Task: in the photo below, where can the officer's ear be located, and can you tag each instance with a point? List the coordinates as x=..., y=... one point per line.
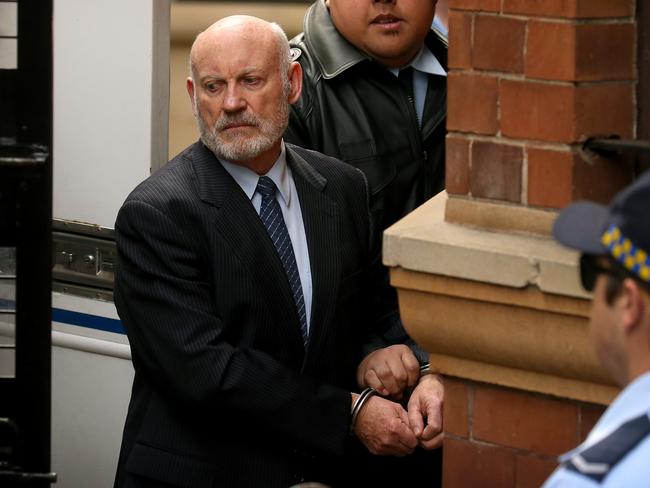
x=632, y=306
x=295, y=81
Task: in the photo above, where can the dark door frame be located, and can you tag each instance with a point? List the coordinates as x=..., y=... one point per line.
x=25, y=221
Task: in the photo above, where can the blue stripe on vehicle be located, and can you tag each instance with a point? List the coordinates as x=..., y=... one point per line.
x=7, y=305
x=87, y=320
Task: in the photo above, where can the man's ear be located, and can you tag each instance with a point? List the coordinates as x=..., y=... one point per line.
x=295, y=81
x=190, y=91
x=632, y=305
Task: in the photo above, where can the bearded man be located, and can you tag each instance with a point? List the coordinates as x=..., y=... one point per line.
x=244, y=285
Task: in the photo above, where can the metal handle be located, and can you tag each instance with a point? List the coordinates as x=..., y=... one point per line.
x=615, y=145
x=24, y=476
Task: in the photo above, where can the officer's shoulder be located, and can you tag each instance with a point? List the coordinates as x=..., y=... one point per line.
x=296, y=52
x=597, y=461
x=301, y=52
x=297, y=46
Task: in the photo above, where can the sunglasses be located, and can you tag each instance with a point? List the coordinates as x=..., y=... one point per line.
x=590, y=269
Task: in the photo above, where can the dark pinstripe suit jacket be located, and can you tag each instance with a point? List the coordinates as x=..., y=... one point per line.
x=224, y=392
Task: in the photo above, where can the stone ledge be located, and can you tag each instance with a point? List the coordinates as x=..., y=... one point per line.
x=496, y=307
x=521, y=339
x=498, y=216
x=423, y=241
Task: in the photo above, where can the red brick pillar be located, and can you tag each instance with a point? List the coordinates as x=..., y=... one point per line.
x=529, y=81
x=492, y=442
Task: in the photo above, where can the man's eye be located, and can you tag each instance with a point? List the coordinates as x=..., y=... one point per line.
x=251, y=81
x=212, y=85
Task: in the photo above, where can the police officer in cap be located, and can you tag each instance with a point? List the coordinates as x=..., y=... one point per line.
x=615, y=266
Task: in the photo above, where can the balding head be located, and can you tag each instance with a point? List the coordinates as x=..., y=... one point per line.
x=241, y=29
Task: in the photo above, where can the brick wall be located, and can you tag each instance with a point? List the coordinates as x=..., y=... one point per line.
x=529, y=81
x=505, y=438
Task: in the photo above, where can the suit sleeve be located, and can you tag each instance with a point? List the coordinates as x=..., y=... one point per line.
x=178, y=345
x=387, y=328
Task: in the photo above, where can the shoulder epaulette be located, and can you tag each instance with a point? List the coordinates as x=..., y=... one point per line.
x=598, y=460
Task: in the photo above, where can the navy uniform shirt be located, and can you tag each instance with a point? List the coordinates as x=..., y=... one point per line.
x=616, y=452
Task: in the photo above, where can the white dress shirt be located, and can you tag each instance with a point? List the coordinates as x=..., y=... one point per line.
x=425, y=63
x=287, y=197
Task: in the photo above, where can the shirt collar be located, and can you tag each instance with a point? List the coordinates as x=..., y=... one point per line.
x=437, y=25
x=247, y=179
x=631, y=402
x=426, y=62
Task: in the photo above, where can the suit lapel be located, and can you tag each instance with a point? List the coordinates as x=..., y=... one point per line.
x=240, y=227
x=320, y=216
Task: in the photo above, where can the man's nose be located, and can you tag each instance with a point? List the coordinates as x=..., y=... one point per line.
x=233, y=100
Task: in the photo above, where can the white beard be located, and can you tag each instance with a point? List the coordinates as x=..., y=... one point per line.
x=238, y=149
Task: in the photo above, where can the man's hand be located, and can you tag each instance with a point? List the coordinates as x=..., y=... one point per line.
x=383, y=427
x=425, y=411
x=389, y=370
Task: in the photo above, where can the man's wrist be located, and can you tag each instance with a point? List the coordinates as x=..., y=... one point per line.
x=427, y=372
x=358, y=402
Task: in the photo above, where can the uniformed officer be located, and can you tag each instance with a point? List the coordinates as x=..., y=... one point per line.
x=615, y=266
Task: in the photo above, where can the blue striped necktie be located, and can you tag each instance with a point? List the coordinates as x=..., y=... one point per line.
x=271, y=216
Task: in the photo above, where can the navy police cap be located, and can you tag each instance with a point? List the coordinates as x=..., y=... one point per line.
x=620, y=230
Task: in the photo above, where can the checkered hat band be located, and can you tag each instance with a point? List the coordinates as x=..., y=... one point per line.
x=622, y=249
